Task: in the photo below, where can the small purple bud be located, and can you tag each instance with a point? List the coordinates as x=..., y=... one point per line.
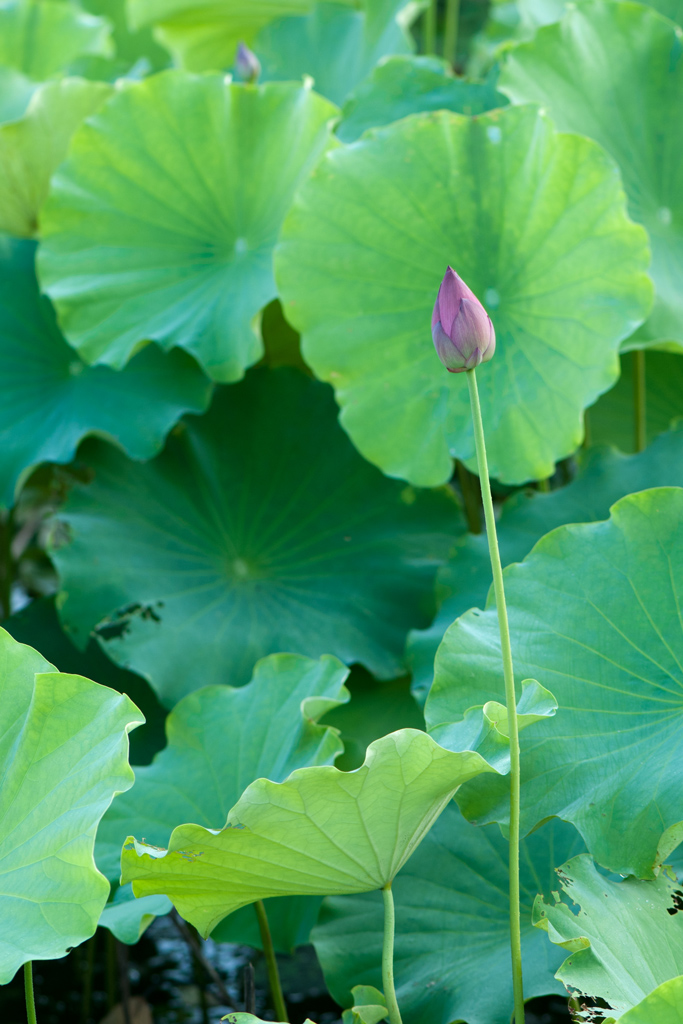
x=247, y=64
x=462, y=331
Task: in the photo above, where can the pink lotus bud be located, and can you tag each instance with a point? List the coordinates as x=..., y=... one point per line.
x=247, y=64
x=462, y=331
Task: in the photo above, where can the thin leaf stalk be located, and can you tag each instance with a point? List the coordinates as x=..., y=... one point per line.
x=430, y=28
x=639, y=401
x=510, y=696
x=450, y=35
x=388, y=956
x=28, y=991
x=271, y=963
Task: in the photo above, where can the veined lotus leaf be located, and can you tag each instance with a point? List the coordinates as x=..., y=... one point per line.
x=451, y=895
x=613, y=71
x=337, y=44
x=595, y=615
x=58, y=400
x=664, y=1005
x=203, y=35
x=188, y=260
x=221, y=739
x=259, y=526
x=127, y=918
x=63, y=756
x=320, y=832
x=402, y=85
x=603, y=477
x=625, y=940
x=41, y=38
x=32, y=147
x=533, y=220
x=535, y=13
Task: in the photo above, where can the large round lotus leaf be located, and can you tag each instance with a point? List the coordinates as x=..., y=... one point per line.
x=604, y=475
x=534, y=221
x=220, y=740
x=203, y=35
x=32, y=147
x=40, y=38
x=260, y=527
x=161, y=223
x=337, y=45
x=612, y=417
x=625, y=940
x=63, y=756
x=613, y=71
x=51, y=399
x=452, y=925
x=16, y=91
x=595, y=616
x=664, y=1005
x=401, y=86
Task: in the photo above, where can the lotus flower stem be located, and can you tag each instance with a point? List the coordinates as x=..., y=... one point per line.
x=639, y=401
x=430, y=28
x=450, y=39
x=271, y=963
x=510, y=697
x=28, y=989
x=388, y=956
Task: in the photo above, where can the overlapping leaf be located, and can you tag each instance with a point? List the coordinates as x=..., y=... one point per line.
x=127, y=918
x=260, y=527
x=613, y=71
x=401, y=86
x=603, y=477
x=51, y=399
x=533, y=220
x=40, y=38
x=595, y=615
x=321, y=832
x=452, y=925
x=220, y=740
x=625, y=940
x=665, y=1005
x=32, y=147
x=161, y=223
x=63, y=756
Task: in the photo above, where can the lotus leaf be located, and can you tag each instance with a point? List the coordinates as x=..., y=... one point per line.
x=41, y=38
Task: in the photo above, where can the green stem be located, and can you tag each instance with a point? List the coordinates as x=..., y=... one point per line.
x=388, y=956
x=271, y=963
x=469, y=488
x=639, y=401
x=510, y=697
x=28, y=989
x=450, y=35
x=430, y=28
x=543, y=485
x=6, y=562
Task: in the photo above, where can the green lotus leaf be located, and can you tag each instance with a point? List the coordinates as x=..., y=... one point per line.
x=625, y=940
x=41, y=38
x=32, y=147
x=220, y=740
x=187, y=261
x=127, y=918
x=204, y=35
x=452, y=925
x=612, y=417
x=38, y=623
x=321, y=832
x=248, y=1018
x=664, y=1005
x=57, y=399
x=135, y=49
x=603, y=477
x=369, y=1006
x=259, y=526
x=613, y=71
x=63, y=756
x=337, y=44
x=595, y=614
x=16, y=91
x=400, y=86
x=534, y=221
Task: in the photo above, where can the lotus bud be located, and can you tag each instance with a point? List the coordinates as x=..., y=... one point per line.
x=462, y=331
x=247, y=64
